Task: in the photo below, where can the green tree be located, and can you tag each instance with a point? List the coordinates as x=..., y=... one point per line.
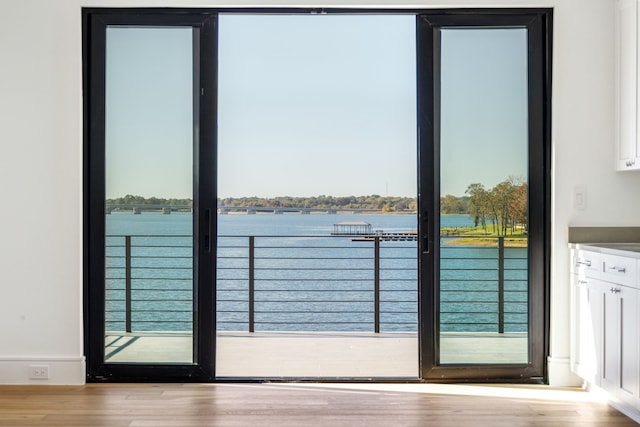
x=509, y=204
x=501, y=196
x=479, y=204
x=452, y=205
x=520, y=204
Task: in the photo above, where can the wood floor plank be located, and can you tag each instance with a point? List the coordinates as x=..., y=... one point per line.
x=289, y=405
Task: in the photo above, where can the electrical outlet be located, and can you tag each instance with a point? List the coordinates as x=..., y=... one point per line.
x=39, y=372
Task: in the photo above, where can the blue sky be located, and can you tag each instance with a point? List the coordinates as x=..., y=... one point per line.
x=312, y=105
x=484, y=107
x=319, y=104
x=149, y=113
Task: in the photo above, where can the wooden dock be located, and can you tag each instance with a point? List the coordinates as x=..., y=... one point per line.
x=388, y=237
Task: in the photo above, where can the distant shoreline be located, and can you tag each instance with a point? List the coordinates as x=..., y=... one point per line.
x=509, y=242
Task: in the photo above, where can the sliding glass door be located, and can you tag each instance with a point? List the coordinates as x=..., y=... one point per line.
x=372, y=182
x=151, y=206
x=149, y=189
x=485, y=221
x=483, y=165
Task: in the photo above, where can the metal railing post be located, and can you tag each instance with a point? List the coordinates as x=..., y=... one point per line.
x=251, y=283
x=376, y=285
x=501, y=284
x=127, y=282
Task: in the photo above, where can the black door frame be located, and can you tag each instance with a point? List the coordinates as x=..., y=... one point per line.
x=204, y=21
x=538, y=22
x=204, y=24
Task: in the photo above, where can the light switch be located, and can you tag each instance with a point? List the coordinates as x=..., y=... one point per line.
x=580, y=198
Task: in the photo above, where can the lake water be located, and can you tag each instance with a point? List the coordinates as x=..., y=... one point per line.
x=304, y=278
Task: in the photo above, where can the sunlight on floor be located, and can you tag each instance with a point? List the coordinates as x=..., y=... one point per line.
x=512, y=391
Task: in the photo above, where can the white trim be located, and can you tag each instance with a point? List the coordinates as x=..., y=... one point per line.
x=62, y=370
x=560, y=375
x=385, y=4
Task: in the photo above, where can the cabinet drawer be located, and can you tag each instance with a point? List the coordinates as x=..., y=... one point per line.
x=586, y=264
x=619, y=269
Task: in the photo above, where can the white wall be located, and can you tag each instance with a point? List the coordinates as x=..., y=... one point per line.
x=41, y=167
x=41, y=190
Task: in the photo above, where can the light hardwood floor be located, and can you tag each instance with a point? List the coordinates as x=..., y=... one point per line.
x=284, y=405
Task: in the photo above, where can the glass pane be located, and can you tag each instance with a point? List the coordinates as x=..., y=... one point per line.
x=484, y=213
x=317, y=179
x=149, y=249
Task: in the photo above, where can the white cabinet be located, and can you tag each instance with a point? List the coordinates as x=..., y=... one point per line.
x=627, y=139
x=605, y=344
x=586, y=338
x=620, y=355
x=586, y=316
x=629, y=381
x=618, y=362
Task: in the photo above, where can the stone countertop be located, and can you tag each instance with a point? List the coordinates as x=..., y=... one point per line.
x=631, y=250
x=597, y=234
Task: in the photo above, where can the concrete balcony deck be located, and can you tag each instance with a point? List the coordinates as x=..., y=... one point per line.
x=318, y=354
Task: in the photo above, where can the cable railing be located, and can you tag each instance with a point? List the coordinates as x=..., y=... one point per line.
x=483, y=284
x=313, y=283
x=149, y=283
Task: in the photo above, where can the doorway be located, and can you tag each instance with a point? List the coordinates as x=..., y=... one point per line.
x=229, y=278
x=317, y=248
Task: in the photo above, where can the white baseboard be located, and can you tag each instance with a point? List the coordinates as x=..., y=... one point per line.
x=629, y=411
x=61, y=370
x=72, y=371
x=560, y=375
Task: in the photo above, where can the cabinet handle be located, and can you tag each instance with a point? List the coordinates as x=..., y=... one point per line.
x=586, y=262
x=618, y=269
x=614, y=290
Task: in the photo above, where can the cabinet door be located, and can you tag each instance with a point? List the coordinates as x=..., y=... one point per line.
x=609, y=375
x=628, y=317
x=619, y=373
x=595, y=335
x=627, y=144
x=587, y=328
